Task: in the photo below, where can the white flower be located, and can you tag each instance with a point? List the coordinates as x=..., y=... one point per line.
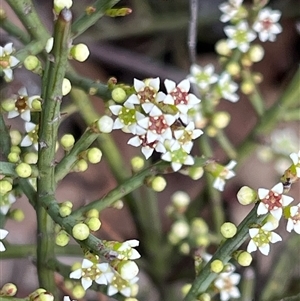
x=294, y=219
x=6, y=201
x=67, y=298
x=126, y=249
x=227, y=88
x=90, y=272
x=202, y=77
x=3, y=234
x=226, y=174
x=262, y=237
x=227, y=283
x=116, y=284
x=296, y=161
x=229, y=9
x=266, y=24
x=239, y=36
x=7, y=61
x=32, y=135
x=273, y=201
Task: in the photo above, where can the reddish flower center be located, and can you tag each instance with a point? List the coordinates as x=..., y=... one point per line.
x=157, y=124
x=272, y=200
x=147, y=95
x=145, y=143
x=21, y=104
x=267, y=23
x=179, y=96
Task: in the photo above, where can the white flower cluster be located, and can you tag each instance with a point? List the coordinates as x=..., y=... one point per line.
x=160, y=121
x=240, y=34
x=7, y=61
x=120, y=274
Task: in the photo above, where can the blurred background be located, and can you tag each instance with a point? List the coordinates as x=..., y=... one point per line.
x=151, y=42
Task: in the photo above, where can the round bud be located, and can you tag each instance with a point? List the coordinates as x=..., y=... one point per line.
x=217, y=266
x=256, y=53
x=222, y=48
x=80, y=166
x=80, y=52
x=8, y=105
x=36, y=104
x=17, y=215
x=195, y=173
x=13, y=157
x=202, y=241
x=94, y=155
x=81, y=231
x=93, y=223
x=78, y=292
x=185, y=289
x=158, y=184
x=5, y=186
x=31, y=158
x=67, y=141
x=221, y=119
x=185, y=248
x=204, y=297
x=233, y=68
x=65, y=211
x=180, y=229
x=246, y=195
x=128, y=269
x=92, y=213
x=31, y=62
x=228, y=230
x=118, y=95
x=66, y=87
x=23, y=170
x=211, y=131
x=36, y=293
x=247, y=87
x=62, y=238
x=105, y=124
x=8, y=289
x=180, y=199
x=15, y=137
x=61, y=4
x=46, y=296
x=49, y=45
x=137, y=163
x=15, y=149
x=244, y=259
x=118, y=204
x=67, y=203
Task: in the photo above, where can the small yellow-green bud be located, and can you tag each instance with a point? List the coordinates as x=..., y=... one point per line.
x=199, y=226
x=118, y=204
x=80, y=166
x=15, y=137
x=67, y=141
x=36, y=104
x=217, y=266
x=221, y=119
x=180, y=199
x=46, y=296
x=49, y=45
x=8, y=289
x=185, y=248
x=78, y=292
x=8, y=105
x=15, y=149
x=137, y=163
x=244, y=259
x=94, y=155
x=13, y=157
x=31, y=158
x=5, y=186
x=93, y=223
x=228, y=229
x=65, y=211
x=105, y=124
x=80, y=52
x=31, y=63
x=81, y=231
x=92, y=213
x=246, y=195
x=256, y=53
x=202, y=241
x=185, y=289
x=66, y=87
x=158, y=184
x=118, y=95
x=211, y=131
x=195, y=173
x=222, y=47
x=23, y=170
x=17, y=215
x=61, y=4
x=204, y=297
x=36, y=293
x=247, y=87
x=67, y=203
x=180, y=229
x=233, y=68
x=62, y=238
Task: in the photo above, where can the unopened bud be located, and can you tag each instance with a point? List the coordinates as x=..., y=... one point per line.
x=78, y=292
x=217, y=266
x=62, y=238
x=158, y=184
x=256, y=53
x=31, y=158
x=93, y=213
x=80, y=166
x=118, y=95
x=185, y=289
x=5, y=186
x=81, y=231
x=180, y=199
x=66, y=87
x=23, y=170
x=94, y=155
x=244, y=258
x=247, y=87
x=105, y=124
x=15, y=137
x=67, y=141
x=246, y=195
x=33, y=64
x=17, y=215
x=233, y=68
x=80, y=52
x=221, y=119
x=204, y=297
x=93, y=223
x=13, y=157
x=65, y=211
x=137, y=163
x=222, y=48
x=61, y=4
x=8, y=289
x=228, y=230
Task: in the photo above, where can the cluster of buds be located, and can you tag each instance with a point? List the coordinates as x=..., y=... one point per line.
x=120, y=274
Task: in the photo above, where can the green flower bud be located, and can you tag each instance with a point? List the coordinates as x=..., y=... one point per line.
x=78, y=292
x=36, y=293
x=118, y=95
x=49, y=45
x=92, y=213
x=80, y=52
x=62, y=238
x=32, y=63
x=228, y=230
x=67, y=203
x=233, y=68
x=23, y=170
x=15, y=149
x=180, y=229
x=36, y=104
x=8, y=289
x=211, y=131
x=118, y=204
x=81, y=231
x=180, y=199
x=185, y=289
x=195, y=173
x=15, y=137
x=65, y=211
x=66, y=87
x=246, y=195
x=61, y=4
x=222, y=48
x=204, y=297
x=185, y=248
x=93, y=223
x=247, y=87
x=244, y=259
x=137, y=163
x=17, y=215
x=31, y=158
x=217, y=266
x=8, y=105
x=13, y=157
x=94, y=155
x=67, y=141
x=105, y=124
x=256, y=53
x=46, y=296
x=80, y=166
x=221, y=119
x=158, y=184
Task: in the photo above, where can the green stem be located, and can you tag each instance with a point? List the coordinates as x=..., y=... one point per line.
x=247, y=285
x=206, y=277
x=226, y=145
x=5, y=138
x=292, y=115
x=50, y=118
x=87, y=19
